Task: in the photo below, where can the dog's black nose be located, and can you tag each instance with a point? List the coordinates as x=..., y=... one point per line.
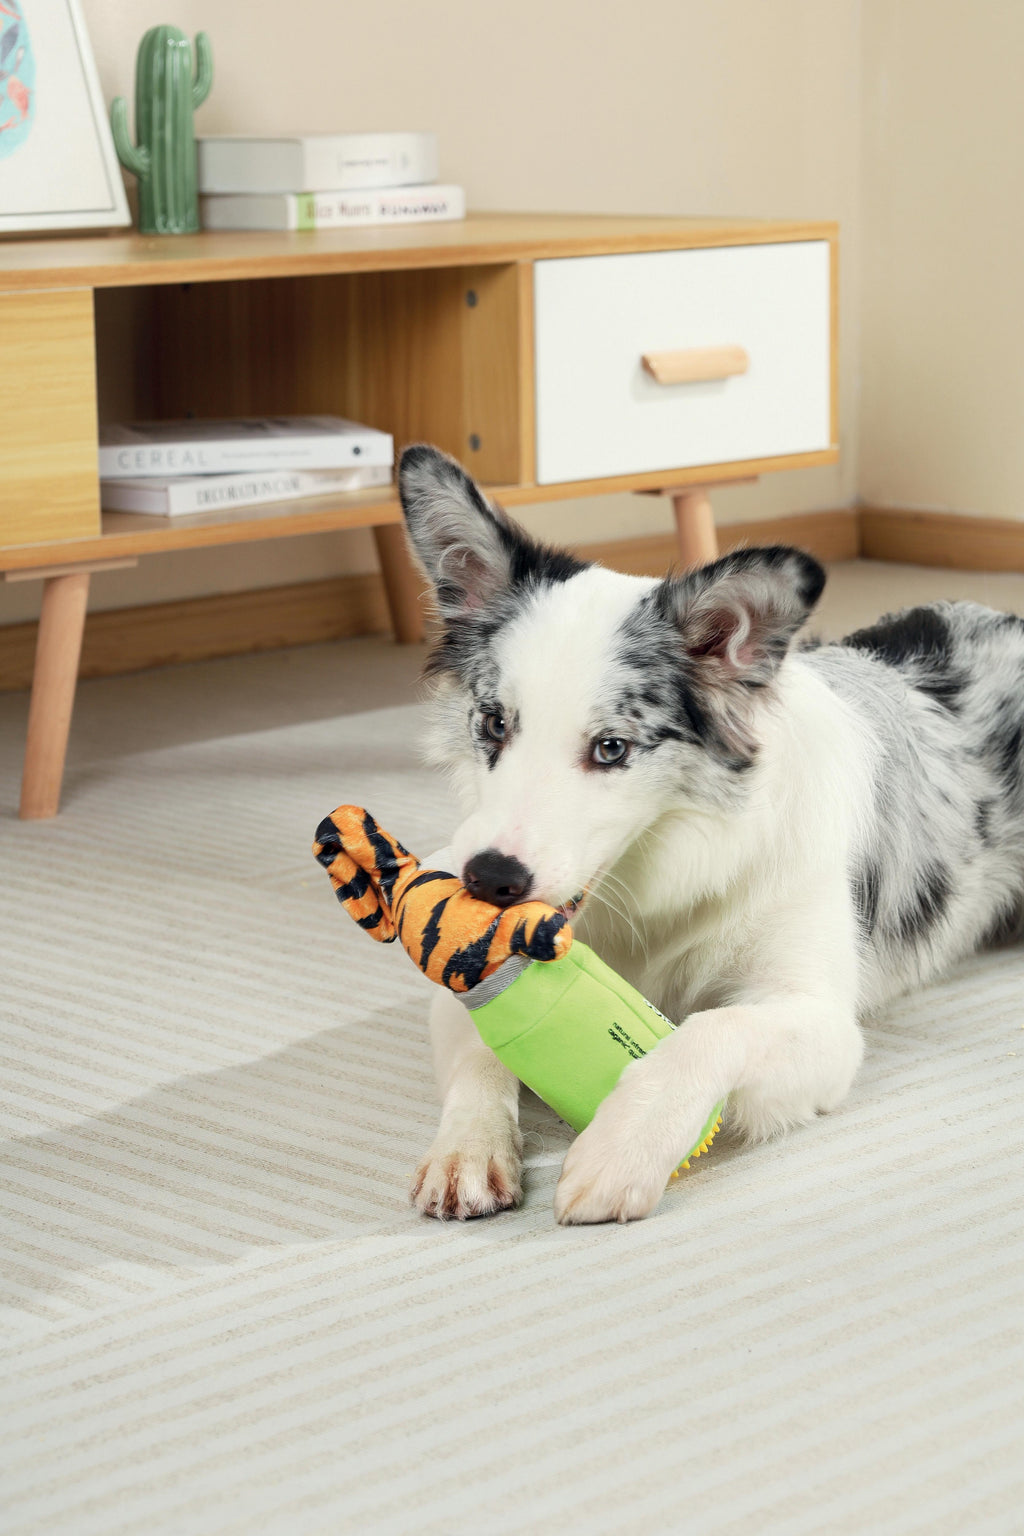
x=497, y=878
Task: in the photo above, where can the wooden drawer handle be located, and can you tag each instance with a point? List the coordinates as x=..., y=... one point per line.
x=696, y=364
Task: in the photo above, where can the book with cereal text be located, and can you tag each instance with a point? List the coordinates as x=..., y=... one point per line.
x=244, y=443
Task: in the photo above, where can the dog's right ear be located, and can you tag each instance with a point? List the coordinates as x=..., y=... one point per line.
x=465, y=545
x=738, y=615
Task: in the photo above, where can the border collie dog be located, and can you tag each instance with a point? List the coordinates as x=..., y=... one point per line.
x=770, y=842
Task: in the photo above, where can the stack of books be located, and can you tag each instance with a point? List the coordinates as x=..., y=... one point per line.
x=171, y=468
x=323, y=181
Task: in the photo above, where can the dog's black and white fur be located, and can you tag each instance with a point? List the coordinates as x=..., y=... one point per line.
x=773, y=841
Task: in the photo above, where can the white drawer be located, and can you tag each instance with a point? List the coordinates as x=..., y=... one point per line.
x=599, y=413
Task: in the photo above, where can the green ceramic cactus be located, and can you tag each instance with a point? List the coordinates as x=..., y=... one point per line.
x=166, y=95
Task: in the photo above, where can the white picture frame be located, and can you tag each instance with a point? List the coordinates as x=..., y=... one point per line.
x=58, y=167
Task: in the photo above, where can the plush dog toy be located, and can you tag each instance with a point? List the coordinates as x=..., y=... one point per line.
x=556, y=1015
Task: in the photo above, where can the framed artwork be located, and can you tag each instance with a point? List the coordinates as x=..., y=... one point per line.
x=58, y=169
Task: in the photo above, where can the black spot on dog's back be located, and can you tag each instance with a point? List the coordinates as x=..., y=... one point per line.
x=1007, y=924
x=944, y=687
x=920, y=643
x=925, y=906
x=902, y=637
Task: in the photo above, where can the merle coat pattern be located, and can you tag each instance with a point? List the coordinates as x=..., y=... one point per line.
x=771, y=841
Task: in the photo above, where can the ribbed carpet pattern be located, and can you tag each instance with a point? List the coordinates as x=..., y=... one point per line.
x=221, y=1316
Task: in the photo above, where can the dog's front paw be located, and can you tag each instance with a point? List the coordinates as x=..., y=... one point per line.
x=455, y=1183
x=606, y=1178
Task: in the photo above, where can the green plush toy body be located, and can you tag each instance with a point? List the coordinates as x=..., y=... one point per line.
x=567, y=1028
x=553, y=1013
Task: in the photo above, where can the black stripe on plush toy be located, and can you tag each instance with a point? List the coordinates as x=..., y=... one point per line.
x=469, y=963
x=425, y=879
x=355, y=888
x=431, y=932
x=386, y=855
x=542, y=944
x=329, y=838
x=373, y=920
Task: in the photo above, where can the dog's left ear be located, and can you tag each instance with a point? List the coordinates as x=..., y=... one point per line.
x=738, y=616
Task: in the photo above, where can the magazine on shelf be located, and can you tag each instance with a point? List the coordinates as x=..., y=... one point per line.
x=177, y=496
x=203, y=447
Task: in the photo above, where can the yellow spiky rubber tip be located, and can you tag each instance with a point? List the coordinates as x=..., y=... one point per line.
x=712, y=1126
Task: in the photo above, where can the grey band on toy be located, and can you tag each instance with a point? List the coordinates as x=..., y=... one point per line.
x=493, y=986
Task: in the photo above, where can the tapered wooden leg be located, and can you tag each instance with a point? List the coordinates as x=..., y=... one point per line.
x=58, y=648
x=403, y=583
x=695, y=527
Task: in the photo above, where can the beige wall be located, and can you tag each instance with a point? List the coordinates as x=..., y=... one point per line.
x=942, y=422
x=666, y=106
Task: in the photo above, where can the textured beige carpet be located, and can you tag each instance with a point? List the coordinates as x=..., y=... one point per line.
x=219, y=1314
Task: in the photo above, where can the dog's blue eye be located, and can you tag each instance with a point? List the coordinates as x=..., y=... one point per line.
x=608, y=751
x=494, y=725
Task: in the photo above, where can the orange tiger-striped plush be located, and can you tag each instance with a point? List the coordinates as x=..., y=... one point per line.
x=454, y=939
